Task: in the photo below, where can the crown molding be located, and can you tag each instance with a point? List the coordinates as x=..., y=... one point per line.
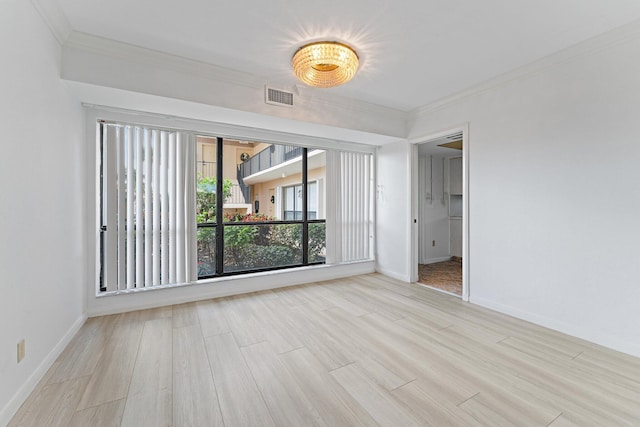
x=131, y=53
x=313, y=95
x=136, y=54
x=54, y=18
x=585, y=48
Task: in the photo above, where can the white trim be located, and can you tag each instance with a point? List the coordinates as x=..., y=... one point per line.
x=434, y=260
x=413, y=185
x=103, y=46
x=424, y=285
x=465, y=212
x=414, y=212
x=11, y=408
x=224, y=286
x=55, y=19
x=394, y=275
x=597, y=338
x=223, y=130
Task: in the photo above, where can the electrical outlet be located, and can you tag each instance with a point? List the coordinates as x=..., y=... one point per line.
x=433, y=243
x=20, y=351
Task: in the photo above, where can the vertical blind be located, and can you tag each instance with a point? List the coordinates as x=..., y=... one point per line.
x=148, y=207
x=148, y=230
x=356, y=206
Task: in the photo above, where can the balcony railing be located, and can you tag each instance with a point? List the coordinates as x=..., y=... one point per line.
x=206, y=169
x=239, y=195
x=269, y=157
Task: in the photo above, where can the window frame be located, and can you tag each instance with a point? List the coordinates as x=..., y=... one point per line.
x=220, y=225
x=109, y=114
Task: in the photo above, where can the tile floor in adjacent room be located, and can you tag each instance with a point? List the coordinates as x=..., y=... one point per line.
x=445, y=275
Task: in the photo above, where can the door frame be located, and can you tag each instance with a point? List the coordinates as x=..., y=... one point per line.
x=415, y=214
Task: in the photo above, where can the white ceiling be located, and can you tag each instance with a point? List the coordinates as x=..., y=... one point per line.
x=412, y=52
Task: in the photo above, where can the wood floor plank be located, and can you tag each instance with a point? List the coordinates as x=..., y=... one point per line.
x=487, y=416
x=463, y=367
x=54, y=405
x=149, y=400
x=333, y=403
x=377, y=281
x=242, y=322
x=195, y=401
x=287, y=403
x=546, y=383
x=410, y=307
x=313, y=333
x=82, y=354
x=496, y=407
x=332, y=293
x=377, y=358
x=374, y=345
x=610, y=363
x=212, y=320
x=112, y=374
x=371, y=301
x=490, y=371
x=430, y=410
x=293, y=296
x=240, y=400
x=276, y=330
x=567, y=420
x=499, y=323
x=106, y=415
x=377, y=401
x=315, y=301
x=185, y=315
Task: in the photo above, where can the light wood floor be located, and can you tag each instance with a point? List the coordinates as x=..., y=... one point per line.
x=366, y=350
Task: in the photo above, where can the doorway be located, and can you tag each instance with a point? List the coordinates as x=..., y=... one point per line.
x=440, y=234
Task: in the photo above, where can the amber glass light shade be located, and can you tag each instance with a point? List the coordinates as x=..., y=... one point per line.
x=325, y=64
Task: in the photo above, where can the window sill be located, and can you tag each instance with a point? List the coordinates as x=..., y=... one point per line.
x=233, y=278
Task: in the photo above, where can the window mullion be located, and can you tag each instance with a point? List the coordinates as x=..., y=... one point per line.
x=305, y=224
x=219, y=204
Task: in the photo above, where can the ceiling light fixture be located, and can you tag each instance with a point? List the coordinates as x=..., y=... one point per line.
x=325, y=64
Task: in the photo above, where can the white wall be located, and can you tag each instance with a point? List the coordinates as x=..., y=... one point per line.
x=555, y=191
x=41, y=204
x=433, y=221
x=455, y=236
x=393, y=204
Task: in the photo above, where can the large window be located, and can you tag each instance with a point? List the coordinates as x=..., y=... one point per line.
x=176, y=207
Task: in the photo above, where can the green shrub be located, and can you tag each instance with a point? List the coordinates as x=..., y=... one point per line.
x=256, y=256
x=206, y=197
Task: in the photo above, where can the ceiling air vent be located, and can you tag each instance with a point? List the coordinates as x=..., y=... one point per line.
x=278, y=97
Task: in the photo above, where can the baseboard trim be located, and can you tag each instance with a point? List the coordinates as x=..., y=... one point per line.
x=11, y=408
x=599, y=339
x=434, y=260
x=394, y=275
